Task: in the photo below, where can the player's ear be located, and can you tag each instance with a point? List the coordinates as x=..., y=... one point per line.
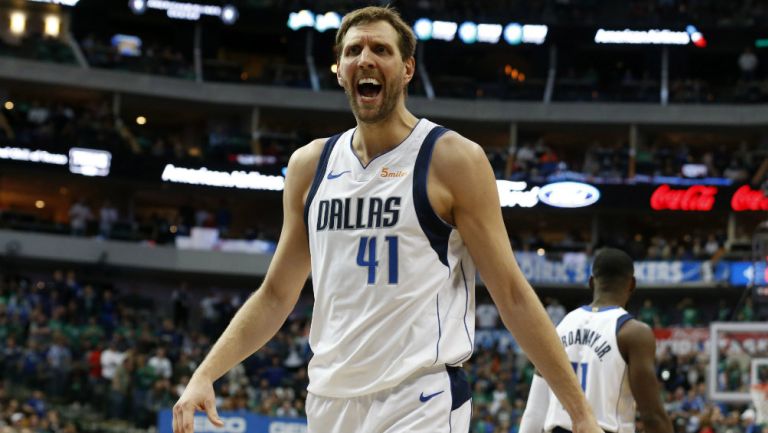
x=338, y=74
x=592, y=283
x=632, y=286
x=410, y=69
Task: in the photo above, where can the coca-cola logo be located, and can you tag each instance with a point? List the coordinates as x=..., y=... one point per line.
x=746, y=199
x=695, y=198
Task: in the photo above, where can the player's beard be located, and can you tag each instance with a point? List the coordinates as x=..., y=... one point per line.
x=390, y=92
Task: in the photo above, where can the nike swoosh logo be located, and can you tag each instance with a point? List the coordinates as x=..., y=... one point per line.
x=332, y=176
x=425, y=398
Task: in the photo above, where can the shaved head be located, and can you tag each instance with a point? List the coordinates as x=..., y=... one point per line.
x=612, y=270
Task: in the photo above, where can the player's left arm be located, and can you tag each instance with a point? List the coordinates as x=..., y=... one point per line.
x=462, y=189
x=638, y=347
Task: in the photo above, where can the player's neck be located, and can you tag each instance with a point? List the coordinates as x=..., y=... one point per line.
x=607, y=301
x=373, y=139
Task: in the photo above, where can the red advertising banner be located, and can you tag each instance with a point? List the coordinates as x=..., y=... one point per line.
x=683, y=341
x=695, y=198
x=746, y=198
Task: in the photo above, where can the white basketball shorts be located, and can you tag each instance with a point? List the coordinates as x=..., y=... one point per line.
x=436, y=400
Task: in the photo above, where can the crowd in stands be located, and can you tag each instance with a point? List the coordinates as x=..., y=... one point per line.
x=80, y=356
x=601, y=162
x=155, y=58
x=58, y=126
x=742, y=82
x=34, y=46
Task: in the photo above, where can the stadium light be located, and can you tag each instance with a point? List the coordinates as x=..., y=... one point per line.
x=423, y=29
x=468, y=32
x=138, y=6
x=513, y=34
x=489, y=33
x=444, y=30
x=301, y=19
x=328, y=20
x=426, y=29
x=18, y=22
x=8, y=105
x=52, y=25
x=535, y=33
x=229, y=14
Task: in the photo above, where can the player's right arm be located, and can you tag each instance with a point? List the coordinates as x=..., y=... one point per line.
x=638, y=347
x=264, y=312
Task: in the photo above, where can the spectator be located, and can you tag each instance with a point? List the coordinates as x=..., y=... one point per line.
x=180, y=297
x=649, y=314
x=79, y=216
x=748, y=64
x=161, y=364
x=108, y=216
x=59, y=359
x=111, y=358
x=487, y=316
x=555, y=310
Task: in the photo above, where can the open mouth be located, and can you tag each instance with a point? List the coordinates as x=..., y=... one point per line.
x=369, y=87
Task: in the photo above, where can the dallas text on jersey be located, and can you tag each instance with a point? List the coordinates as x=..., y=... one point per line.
x=363, y=213
x=587, y=337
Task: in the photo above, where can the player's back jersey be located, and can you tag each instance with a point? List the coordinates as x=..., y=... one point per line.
x=393, y=283
x=589, y=337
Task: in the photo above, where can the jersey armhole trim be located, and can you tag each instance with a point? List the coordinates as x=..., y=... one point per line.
x=621, y=321
x=322, y=165
x=434, y=228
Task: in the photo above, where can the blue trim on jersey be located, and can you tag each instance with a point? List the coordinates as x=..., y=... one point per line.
x=599, y=309
x=622, y=320
x=352, y=149
x=434, y=228
x=460, y=389
x=466, y=308
x=439, y=330
x=322, y=165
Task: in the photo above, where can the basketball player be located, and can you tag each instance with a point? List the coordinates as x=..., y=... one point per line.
x=612, y=354
x=391, y=217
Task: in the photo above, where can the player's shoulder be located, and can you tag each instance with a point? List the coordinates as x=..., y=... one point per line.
x=635, y=332
x=303, y=164
x=309, y=153
x=454, y=151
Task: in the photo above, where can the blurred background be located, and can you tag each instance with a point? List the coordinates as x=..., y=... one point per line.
x=142, y=151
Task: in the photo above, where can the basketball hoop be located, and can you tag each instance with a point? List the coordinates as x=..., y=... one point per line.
x=759, y=394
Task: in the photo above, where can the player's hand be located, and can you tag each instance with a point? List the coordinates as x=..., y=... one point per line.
x=198, y=395
x=587, y=424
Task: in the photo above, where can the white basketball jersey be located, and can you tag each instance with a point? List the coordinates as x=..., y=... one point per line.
x=393, y=283
x=589, y=337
